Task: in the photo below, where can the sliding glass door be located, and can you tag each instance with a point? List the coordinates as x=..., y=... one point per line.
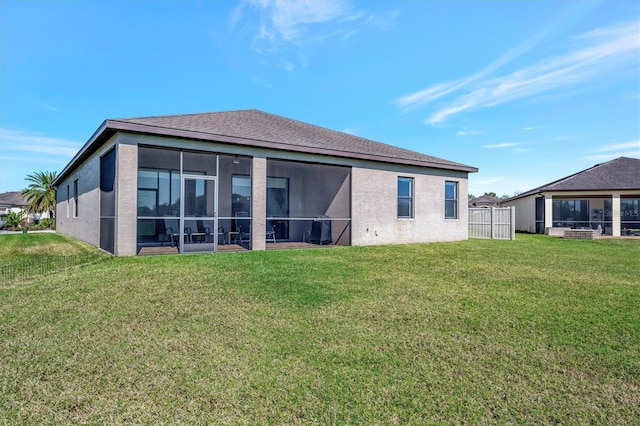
x=199, y=222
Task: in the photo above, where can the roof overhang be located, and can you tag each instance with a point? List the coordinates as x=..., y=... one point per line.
x=111, y=127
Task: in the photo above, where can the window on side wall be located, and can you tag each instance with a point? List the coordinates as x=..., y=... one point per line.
x=450, y=200
x=75, y=198
x=405, y=197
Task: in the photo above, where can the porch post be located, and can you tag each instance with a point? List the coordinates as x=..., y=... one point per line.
x=548, y=211
x=125, y=239
x=258, y=203
x=615, y=215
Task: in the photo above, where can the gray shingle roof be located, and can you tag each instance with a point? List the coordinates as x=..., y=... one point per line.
x=619, y=174
x=484, y=199
x=286, y=134
x=13, y=199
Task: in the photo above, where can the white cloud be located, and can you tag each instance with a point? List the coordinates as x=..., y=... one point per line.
x=562, y=138
x=287, y=17
x=17, y=141
x=501, y=145
x=285, y=21
x=46, y=106
x=631, y=145
x=615, y=150
x=277, y=26
x=383, y=22
x=522, y=150
x=467, y=132
x=607, y=157
x=417, y=99
x=594, y=54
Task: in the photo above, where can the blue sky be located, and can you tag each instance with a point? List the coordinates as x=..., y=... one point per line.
x=527, y=91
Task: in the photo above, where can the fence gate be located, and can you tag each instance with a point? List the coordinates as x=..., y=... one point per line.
x=498, y=223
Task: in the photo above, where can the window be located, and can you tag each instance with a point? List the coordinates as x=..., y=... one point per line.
x=278, y=206
x=571, y=213
x=107, y=201
x=240, y=194
x=630, y=215
x=405, y=197
x=158, y=193
x=540, y=215
x=451, y=200
x=75, y=198
x=68, y=201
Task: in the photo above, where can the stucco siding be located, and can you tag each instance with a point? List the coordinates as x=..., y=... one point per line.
x=126, y=193
x=525, y=213
x=86, y=226
x=338, y=187
x=259, y=203
x=374, y=208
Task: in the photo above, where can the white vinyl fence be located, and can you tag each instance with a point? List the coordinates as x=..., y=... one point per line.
x=497, y=223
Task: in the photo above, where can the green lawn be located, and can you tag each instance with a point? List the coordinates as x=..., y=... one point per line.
x=25, y=256
x=537, y=330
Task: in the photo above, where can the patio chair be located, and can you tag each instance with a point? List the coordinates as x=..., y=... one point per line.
x=321, y=231
x=242, y=227
x=271, y=235
x=222, y=236
x=203, y=234
x=188, y=234
x=170, y=237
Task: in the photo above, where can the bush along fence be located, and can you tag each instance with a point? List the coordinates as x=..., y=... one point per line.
x=32, y=266
x=497, y=223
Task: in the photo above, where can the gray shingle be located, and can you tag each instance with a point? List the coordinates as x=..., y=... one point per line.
x=619, y=174
x=13, y=199
x=261, y=126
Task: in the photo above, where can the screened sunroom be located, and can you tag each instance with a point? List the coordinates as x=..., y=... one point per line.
x=194, y=201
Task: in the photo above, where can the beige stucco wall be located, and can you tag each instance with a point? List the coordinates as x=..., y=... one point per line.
x=525, y=213
x=374, y=206
x=373, y=188
x=126, y=197
x=258, y=203
x=85, y=227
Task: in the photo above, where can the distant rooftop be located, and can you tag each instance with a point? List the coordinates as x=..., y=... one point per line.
x=13, y=199
x=619, y=174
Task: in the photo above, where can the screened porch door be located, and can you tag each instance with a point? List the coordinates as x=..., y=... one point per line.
x=199, y=221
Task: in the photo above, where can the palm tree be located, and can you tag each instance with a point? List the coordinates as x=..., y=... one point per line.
x=40, y=194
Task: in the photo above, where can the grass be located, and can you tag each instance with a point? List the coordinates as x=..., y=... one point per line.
x=537, y=330
x=24, y=256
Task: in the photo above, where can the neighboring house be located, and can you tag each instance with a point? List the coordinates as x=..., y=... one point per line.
x=16, y=202
x=484, y=201
x=606, y=195
x=237, y=179
x=12, y=202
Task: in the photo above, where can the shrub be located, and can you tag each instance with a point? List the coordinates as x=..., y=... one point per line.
x=14, y=219
x=47, y=223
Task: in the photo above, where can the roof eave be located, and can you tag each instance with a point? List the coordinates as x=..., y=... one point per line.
x=190, y=134
x=84, y=153
x=109, y=127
